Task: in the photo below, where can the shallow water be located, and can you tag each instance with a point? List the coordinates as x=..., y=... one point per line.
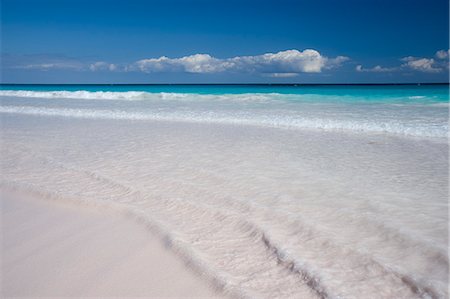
x=264, y=208
x=268, y=213
x=420, y=111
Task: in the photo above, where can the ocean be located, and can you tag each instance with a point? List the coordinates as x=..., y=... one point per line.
x=420, y=111
x=267, y=191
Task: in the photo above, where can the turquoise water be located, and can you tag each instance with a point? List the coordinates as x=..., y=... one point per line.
x=408, y=110
x=439, y=93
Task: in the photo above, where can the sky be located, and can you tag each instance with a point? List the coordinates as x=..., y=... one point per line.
x=278, y=41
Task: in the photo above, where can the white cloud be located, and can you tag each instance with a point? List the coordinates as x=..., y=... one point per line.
x=376, y=69
x=198, y=63
x=102, y=66
x=49, y=66
x=421, y=64
x=281, y=75
x=442, y=54
x=336, y=62
x=290, y=61
x=283, y=62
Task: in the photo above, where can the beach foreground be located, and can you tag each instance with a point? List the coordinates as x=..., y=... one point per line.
x=53, y=249
x=258, y=212
x=333, y=192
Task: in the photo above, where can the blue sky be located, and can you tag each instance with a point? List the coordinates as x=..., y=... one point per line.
x=313, y=41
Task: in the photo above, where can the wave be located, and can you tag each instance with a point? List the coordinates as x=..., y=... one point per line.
x=228, y=97
x=80, y=94
x=140, y=95
x=242, y=118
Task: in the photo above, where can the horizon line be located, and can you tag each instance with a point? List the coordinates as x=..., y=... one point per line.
x=225, y=84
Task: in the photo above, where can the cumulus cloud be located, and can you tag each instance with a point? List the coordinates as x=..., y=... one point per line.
x=411, y=63
x=283, y=62
x=376, y=69
x=287, y=63
x=336, y=62
x=198, y=63
x=102, y=66
x=421, y=64
x=443, y=54
x=290, y=61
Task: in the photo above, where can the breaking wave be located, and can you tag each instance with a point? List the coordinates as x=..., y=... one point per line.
x=138, y=95
x=243, y=118
x=413, y=115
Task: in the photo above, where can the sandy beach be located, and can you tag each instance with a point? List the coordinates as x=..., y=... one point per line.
x=52, y=249
x=259, y=212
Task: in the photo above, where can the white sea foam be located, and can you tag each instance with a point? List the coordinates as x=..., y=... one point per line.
x=80, y=94
x=417, y=118
x=139, y=95
x=236, y=118
x=179, y=96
